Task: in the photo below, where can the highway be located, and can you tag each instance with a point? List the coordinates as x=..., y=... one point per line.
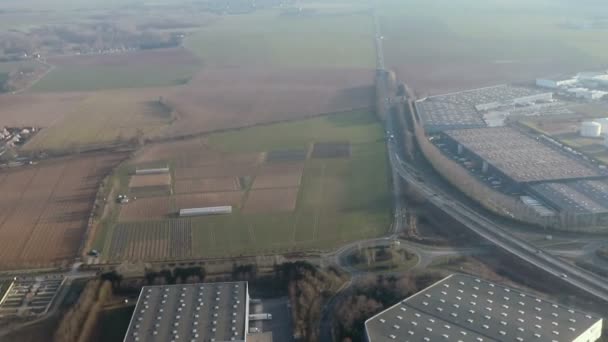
x=474, y=220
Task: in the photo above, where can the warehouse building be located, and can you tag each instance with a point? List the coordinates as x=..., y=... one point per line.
x=464, y=308
x=192, y=312
x=516, y=156
x=221, y=210
x=466, y=109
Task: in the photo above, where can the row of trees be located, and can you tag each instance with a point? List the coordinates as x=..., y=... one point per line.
x=80, y=320
x=308, y=288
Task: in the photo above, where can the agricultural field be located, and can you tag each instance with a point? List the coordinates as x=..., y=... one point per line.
x=223, y=98
x=335, y=37
x=90, y=119
x=279, y=205
x=48, y=204
x=140, y=69
x=39, y=110
x=443, y=46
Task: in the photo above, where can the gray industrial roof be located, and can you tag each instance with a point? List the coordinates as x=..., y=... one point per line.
x=581, y=196
x=193, y=312
x=460, y=110
x=521, y=157
x=464, y=308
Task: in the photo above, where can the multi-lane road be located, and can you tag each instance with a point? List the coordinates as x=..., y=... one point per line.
x=472, y=218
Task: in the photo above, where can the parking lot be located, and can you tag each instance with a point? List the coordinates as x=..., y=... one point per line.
x=578, y=196
x=466, y=109
x=31, y=296
x=280, y=325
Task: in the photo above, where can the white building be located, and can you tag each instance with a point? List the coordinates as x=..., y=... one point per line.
x=591, y=129
x=553, y=84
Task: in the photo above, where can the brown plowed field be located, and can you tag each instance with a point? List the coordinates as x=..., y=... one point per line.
x=279, y=175
x=271, y=200
x=160, y=57
x=210, y=199
x=206, y=185
x=146, y=209
x=139, y=181
x=221, y=98
x=44, y=208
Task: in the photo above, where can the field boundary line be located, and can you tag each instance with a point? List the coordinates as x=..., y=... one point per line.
x=43, y=211
x=320, y=207
x=14, y=207
x=251, y=233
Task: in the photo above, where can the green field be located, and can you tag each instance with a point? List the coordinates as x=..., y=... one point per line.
x=340, y=199
x=102, y=118
x=518, y=30
x=90, y=78
x=269, y=38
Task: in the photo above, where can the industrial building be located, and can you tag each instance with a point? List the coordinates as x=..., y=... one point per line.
x=515, y=156
x=554, y=84
x=152, y=171
x=468, y=109
x=191, y=312
x=227, y=209
x=580, y=197
x=465, y=308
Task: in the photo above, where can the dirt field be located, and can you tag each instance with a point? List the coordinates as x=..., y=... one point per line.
x=151, y=208
x=209, y=199
x=234, y=97
x=48, y=205
x=331, y=150
x=206, y=185
x=271, y=200
x=146, y=57
x=139, y=181
x=99, y=117
x=41, y=110
x=283, y=175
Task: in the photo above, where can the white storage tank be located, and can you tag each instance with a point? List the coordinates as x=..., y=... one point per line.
x=591, y=129
x=604, y=123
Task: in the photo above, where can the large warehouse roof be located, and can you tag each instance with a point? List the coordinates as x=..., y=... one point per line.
x=461, y=109
x=582, y=196
x=520, y=157
x=192, y=312
x=464, y=308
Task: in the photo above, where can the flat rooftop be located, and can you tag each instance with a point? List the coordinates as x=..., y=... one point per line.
x=438, y=115
x=519, y=157
x=465, y=308
x=190, y=312
x=583, y=196
x=458, y=110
